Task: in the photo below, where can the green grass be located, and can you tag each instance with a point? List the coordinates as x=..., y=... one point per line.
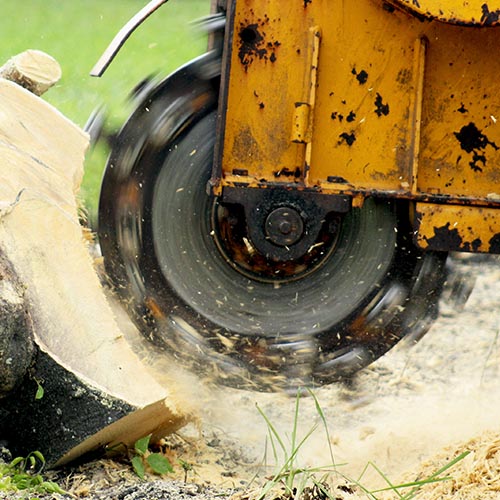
x=142, y=459
x=76, y=32
x=290, y=481
x=23, y=475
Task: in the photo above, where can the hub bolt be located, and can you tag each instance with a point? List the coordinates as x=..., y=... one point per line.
x=284, y=226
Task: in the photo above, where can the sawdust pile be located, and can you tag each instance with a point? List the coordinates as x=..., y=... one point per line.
x=476, y=476
x=407, y=407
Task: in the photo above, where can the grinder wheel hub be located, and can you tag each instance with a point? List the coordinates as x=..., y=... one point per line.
x=229, y=231
x=284, y=226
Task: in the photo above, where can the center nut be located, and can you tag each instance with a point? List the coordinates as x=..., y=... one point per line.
x=284, y=226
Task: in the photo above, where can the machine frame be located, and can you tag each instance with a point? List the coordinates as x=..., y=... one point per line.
x=369, y=98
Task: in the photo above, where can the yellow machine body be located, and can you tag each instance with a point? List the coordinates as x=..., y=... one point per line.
x=367, y=98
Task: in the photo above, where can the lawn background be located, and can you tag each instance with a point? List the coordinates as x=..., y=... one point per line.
x=76, y=32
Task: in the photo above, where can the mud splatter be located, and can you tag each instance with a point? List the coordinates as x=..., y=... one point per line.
x=362, y=76
x=253, y=45
x=495, y=244
x=336, y=115
x=404, y=77
x=348, y=138
x=489, y=18
x=445, y=238
x=337, y=179
x=286, y=172
x=473, y=141
x=380, y=107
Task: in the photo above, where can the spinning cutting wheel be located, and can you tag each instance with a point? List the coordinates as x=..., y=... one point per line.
x=199, y=287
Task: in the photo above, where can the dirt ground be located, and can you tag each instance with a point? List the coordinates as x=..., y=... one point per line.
x=409, y=414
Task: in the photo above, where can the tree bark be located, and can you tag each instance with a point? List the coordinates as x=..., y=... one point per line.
x=17, y=347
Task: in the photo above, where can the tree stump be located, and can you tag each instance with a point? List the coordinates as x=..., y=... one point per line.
x=57, y=329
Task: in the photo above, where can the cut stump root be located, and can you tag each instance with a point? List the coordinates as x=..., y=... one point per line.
x=69, y=383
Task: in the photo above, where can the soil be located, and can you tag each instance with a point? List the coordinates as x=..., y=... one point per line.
x=403, y=418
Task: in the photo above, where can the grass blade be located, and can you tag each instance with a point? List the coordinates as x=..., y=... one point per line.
x=391, y=487
x=272, y=429
x=319, y=410
x=435, y=477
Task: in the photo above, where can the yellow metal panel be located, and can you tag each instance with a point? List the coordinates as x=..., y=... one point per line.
x=471, y=12
x=460, y=228
x=460, y=153
x=400, y=107
x=364, y=119
x=270, y=72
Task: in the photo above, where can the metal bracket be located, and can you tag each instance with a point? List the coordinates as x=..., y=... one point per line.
x=264, y=215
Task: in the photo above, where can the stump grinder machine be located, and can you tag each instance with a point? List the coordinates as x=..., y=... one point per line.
x=279, y=211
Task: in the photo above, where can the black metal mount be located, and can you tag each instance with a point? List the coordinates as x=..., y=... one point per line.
x=283, y=224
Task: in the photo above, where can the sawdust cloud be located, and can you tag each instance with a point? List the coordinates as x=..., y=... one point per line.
x=402, y=411
x=396, y=435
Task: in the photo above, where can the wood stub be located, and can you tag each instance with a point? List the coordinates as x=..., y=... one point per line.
x=34, y=70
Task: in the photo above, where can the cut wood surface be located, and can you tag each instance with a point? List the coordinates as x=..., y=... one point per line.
x=34, y=70
x=77, y=338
